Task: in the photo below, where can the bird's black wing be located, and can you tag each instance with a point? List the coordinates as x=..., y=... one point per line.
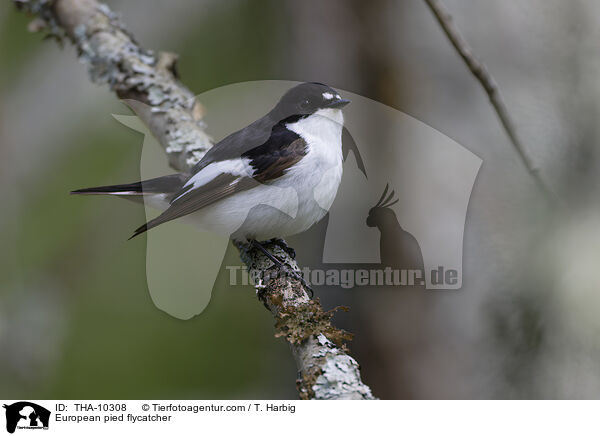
x=273, y=158
x=237, y=143
x=269, y=161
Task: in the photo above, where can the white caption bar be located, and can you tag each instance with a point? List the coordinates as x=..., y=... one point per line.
x=23, y=417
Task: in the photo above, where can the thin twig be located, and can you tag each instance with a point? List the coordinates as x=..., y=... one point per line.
x=488, y=83
x=149, y=84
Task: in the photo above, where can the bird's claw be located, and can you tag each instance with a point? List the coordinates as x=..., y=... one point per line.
x=295, y=274
x=284, y=246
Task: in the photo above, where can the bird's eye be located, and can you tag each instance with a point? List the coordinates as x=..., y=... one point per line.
x=305, y=103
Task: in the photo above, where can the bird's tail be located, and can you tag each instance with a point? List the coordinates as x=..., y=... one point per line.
x=160, y=185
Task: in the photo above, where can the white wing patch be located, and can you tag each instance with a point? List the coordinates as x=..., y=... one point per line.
x=236, y=167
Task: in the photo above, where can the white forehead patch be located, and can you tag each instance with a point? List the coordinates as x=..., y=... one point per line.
x=327, y=95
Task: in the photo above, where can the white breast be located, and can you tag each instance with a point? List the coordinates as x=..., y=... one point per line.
x=320, y=171
x=317, y=176
x=322, y=130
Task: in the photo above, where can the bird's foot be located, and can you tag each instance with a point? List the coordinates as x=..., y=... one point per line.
x=295, y=274
x=284, y=246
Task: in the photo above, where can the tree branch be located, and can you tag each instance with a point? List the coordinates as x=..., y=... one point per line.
x=488, y=83
x=149, y=84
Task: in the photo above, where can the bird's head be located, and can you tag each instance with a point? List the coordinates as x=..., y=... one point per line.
x=310, y=98
x=381, y=212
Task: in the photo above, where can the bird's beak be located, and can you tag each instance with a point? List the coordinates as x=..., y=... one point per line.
x=338, y=104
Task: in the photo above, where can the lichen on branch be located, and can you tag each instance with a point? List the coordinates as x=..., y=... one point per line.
x=146, y=81
x=326, y=370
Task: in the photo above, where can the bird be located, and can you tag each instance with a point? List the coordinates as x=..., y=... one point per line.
x=398, y=247
x=271, y=179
